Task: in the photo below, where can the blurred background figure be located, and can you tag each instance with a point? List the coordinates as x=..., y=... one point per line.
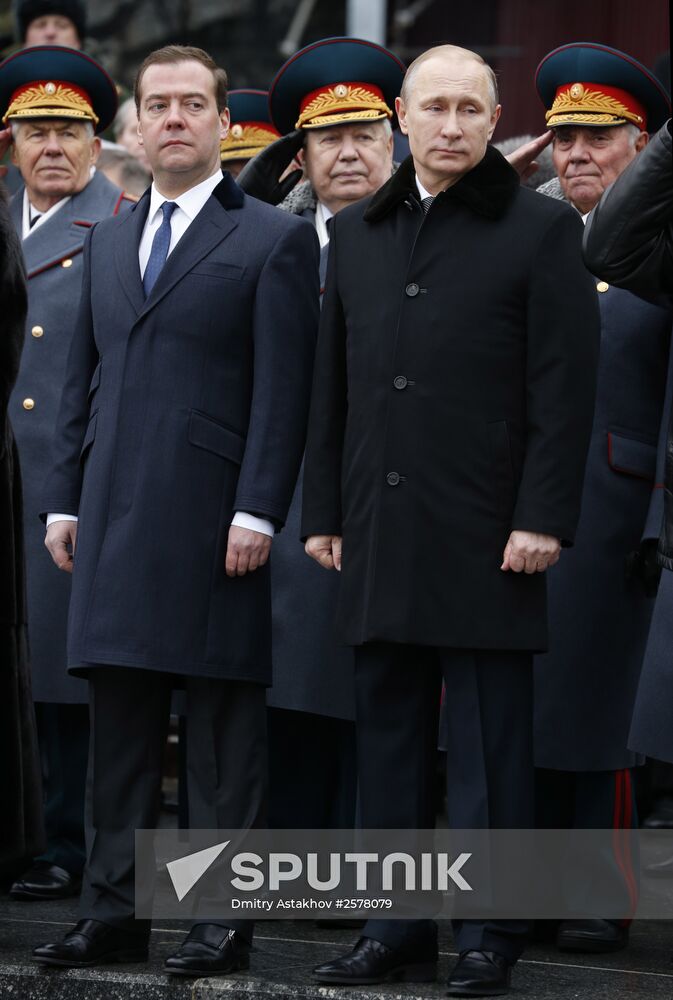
x=124, y=170
x=251, y=129
x=125, y=131
x=50, y=22
x=21, y=832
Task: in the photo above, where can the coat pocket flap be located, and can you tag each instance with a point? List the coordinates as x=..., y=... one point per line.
x=636, y=458
x=218, y=269
x=206, y=433
x=89, y=436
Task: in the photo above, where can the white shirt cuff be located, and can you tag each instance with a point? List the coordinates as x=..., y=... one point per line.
x=59, y=517
x=243, y=520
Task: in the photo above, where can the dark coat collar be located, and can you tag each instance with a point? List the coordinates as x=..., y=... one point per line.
x=487, y=189
x=227, y=192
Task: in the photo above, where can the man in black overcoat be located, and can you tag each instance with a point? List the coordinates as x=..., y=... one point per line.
x=177, y=447
x=451, y=413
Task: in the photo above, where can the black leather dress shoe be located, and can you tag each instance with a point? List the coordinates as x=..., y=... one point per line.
x=371, y=961
x=661, y=816
x=45, y=881
x=93, y=943
x=480, y=974
x=209, y=950
x=591, y=936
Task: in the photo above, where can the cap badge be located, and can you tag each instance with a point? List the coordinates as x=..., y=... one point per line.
x=577, y=91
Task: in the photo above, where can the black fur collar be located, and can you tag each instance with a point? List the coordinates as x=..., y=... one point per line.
x=487, y=189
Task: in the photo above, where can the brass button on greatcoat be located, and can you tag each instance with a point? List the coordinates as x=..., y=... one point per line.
x=37, y=331
x=393, y=478
x=66, y=263
x=602, y=286
x=412, y=289
x=400, y=382
x=28, y=404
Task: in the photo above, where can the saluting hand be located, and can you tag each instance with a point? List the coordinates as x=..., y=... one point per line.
x=529, y=552
x=247, y=550
x=61, y=535
x=523, y=159
x=325, y=549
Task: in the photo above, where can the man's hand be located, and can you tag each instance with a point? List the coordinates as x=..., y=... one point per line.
x=5, y=143
x=60, y=535
x=246, y=550
x=529, y=552
x=523, y=158
x=264, y=176
x=326, y=550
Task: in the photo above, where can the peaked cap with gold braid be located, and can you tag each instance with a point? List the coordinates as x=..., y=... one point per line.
x=51, y=81
x=333, y=82
x=590, y=84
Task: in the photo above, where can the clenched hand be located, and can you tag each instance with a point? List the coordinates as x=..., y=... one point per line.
x=325, y=549
x=60, y=536
x=528, y=552
x=247, y=550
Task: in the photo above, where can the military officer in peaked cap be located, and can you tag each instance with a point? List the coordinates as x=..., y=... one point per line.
x=336, y=97
x=601, y=104
x=55, y=100
x=251, y=129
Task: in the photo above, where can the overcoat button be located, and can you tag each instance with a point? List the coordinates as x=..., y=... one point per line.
x=602, y=286
x=28, y=404
x=66, y=263
x=412, y=289
x=393, y=478
x=400, y=382
x=37, y=331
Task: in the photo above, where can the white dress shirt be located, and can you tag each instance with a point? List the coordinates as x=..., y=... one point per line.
x=322, y=217
x=29, y=212
x=424, y=193
x=189, y=205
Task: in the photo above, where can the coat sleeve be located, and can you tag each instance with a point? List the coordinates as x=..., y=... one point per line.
x=629, y=235
x=63, y=484
x=284, y=333
x=321, y=505
x=563, y=336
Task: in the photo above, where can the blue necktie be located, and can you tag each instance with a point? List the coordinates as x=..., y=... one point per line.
x=160, y=245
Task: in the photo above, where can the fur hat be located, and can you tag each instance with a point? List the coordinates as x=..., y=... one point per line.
x=26, y=11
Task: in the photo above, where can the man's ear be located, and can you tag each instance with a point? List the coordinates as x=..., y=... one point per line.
x=401, y=115
x=96, y=147
x=225, y=121
x=494, y=120
x=301, y=157
x=641, y=142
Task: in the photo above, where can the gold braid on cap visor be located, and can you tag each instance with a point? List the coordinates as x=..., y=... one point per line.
x=342, y=103
x=50, y=100
x=591, y=107
x=244, y=141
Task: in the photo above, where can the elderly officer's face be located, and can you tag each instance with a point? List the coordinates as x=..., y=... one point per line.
x=448, y=113
x=55, y=156
x=587, y=160
x=52, y=29
x=179, y=124
x=347, y=162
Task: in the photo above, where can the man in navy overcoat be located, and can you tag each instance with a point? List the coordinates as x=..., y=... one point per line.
x=184, y=409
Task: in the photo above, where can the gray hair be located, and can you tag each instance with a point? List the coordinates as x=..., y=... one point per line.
x=17, y=125
x=126, y=109
x=455, y=50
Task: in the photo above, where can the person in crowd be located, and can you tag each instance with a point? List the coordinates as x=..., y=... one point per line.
x=450, y=481
x=50, y=22
x=125, y=131
x=601, y=104
x=53, y=101
x=124, y=170
x=346, y=155
x=22, y=832
x=251, y=129
x=196, y=333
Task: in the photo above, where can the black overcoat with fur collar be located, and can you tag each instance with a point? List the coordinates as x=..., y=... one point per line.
x=452, y=403
x=22, y=834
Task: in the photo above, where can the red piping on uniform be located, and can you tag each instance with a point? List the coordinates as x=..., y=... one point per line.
x=622, y=813
x=120, y=199
x=53, y=263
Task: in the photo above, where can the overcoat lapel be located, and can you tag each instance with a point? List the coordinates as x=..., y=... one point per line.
x=127, y=241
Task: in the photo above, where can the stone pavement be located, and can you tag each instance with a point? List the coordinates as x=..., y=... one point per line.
x=285, y=952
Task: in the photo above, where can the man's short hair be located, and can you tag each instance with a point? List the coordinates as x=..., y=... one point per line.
x=184, y=53
x=456, y=50
x=123, y=114
x=18, y=125
x=383, y=122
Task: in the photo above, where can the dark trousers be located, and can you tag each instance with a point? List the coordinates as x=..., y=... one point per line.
x=490, y=777
x=595, y=800
x=226, y=772
x=312, y=771
x=63, y=735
